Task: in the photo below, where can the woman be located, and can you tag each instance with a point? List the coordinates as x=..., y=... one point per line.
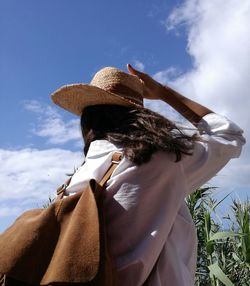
x=150, y=230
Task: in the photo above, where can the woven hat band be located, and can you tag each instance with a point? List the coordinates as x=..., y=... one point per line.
x=126, y=92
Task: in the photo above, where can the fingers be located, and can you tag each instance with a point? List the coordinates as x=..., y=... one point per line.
x=133, y=71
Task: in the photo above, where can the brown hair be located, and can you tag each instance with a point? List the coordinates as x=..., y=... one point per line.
x=140, y=132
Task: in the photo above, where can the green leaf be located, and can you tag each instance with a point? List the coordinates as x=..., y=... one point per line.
x=235, y=257
x=219, y=274
x=209, y=247
x=224, y=234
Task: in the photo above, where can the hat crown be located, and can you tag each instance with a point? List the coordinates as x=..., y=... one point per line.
x=114, y=80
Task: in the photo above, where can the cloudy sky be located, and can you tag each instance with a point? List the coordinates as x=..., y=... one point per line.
x=199, y=47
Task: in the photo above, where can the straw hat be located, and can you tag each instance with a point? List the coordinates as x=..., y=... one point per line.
x=108, y=86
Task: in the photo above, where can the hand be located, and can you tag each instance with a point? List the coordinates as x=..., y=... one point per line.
x=152, y=88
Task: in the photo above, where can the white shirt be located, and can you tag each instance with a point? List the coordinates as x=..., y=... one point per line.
x=150, y=229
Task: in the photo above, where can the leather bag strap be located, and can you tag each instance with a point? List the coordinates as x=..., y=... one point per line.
x=116, y=158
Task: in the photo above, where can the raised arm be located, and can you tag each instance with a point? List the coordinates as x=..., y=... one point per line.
x=188, y=108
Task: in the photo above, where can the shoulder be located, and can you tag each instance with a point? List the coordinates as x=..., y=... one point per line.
x=161, y=166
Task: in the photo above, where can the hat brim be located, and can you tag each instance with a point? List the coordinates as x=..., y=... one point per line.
x=75, y=97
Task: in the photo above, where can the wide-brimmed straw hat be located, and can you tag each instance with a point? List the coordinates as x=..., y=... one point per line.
x=108, y=86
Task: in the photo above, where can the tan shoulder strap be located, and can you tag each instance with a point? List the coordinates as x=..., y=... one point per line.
x=116, y=158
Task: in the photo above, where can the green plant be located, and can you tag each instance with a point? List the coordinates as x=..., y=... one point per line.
x=223, y=254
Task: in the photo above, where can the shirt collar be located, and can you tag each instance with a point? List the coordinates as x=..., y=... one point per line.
x=98, y=148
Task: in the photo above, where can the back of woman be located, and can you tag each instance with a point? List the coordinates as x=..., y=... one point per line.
x=150, y=230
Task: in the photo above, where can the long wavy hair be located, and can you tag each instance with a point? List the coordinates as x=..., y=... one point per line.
x=140, y=132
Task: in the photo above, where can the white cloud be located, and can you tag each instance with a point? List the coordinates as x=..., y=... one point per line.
x=6, y=211
x=29, y=177
x=139, y=65
x=32, y=173
x=51, y=125
x=167, y=75
x=219, y=44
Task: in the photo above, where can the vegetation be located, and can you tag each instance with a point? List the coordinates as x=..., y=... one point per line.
x=223, y=243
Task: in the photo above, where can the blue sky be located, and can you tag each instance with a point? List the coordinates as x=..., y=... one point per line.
x=45, y=44
x=190, y=45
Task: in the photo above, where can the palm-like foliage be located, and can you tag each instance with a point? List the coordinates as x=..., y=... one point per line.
x=223, y=254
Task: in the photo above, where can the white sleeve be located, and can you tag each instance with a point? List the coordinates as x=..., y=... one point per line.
x=219, y=141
